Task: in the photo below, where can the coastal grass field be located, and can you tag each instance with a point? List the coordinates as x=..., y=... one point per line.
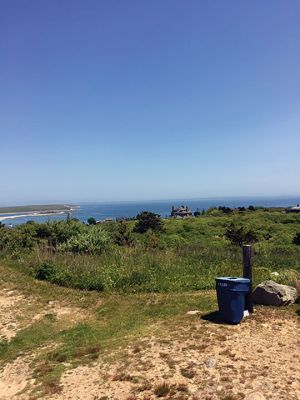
x=92, y=305
x=185, y=255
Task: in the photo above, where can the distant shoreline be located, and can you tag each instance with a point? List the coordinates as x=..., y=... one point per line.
x=34, y=211
x=37, y=208
x=37, y=214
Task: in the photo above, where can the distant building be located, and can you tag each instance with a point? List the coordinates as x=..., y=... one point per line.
x=294, y=209
x=181, y=212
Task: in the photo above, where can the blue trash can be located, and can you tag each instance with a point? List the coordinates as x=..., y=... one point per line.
x=231, y=293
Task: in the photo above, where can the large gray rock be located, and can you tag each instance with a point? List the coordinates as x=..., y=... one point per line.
x=274, y=294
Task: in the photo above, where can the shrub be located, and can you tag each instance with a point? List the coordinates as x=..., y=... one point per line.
x=92, y=242
x=46, y=271
x=65, y=230
x=123, y=235
x=296, y=239
x=162, y=389
x=13, y=240
x=197, y=213
x=148, y=220
x=91, y=221
x=225, y=210
x=240, y=235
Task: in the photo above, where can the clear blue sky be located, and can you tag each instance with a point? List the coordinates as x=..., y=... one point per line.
x=135, y=99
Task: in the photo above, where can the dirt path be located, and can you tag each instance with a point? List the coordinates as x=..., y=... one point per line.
x=195, y=360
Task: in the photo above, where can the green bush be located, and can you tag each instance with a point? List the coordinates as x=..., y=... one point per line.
x=123, y=234
x=46, y=271
x=240, y=235
x=94, y=241
x=148, y=221
x=296, y=239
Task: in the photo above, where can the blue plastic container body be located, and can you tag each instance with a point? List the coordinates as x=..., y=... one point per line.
x=231, y=293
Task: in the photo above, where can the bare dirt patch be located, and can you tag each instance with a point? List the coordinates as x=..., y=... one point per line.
x=201, y=360
x=16, y=313
x=14, y=378
x=10, y=310
x=60, y=311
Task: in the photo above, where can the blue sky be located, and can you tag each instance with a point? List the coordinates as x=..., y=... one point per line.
x=133, y=100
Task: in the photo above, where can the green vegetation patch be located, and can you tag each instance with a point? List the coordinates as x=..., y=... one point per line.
x=154, y=255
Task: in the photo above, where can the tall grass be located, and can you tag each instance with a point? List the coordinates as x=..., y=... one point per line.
x=189, y=255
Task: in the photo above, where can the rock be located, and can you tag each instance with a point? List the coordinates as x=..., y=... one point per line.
x=275, y=273
x=274, y=294
x=210, y=362
x=255, y=396
x=193, y=312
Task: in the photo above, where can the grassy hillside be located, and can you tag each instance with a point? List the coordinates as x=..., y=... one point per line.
x=49, y=330
x=148, y=282
x=185, y=255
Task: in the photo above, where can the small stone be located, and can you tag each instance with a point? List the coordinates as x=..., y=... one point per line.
x=193, y=312
x=210, y=362
x=275, y=273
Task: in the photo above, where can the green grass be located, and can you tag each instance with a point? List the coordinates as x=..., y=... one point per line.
x=186, y=257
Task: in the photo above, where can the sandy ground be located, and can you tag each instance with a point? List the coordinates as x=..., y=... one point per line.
x=200, y=360
x=16, y=377
x=10, y=309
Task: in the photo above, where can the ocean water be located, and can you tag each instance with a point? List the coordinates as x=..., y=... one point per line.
x=101, y=211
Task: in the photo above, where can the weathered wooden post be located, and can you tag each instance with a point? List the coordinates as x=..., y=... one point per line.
x=247, y=273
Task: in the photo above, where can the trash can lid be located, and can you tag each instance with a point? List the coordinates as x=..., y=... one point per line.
x=233, y=279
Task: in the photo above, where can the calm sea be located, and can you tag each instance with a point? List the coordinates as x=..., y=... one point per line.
x=101, y=211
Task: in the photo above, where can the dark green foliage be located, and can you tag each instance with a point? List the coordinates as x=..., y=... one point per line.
x=46, y=271
x=251, y=208
x=225, y=210
x=240, y=235
x=197, y=213
x=94, y=241
x=91, y=221
x=18, y=239
x=296, y=239
x=148, y=220
x=123, y=235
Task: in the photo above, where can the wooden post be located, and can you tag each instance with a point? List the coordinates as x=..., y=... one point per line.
x=247, y=273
